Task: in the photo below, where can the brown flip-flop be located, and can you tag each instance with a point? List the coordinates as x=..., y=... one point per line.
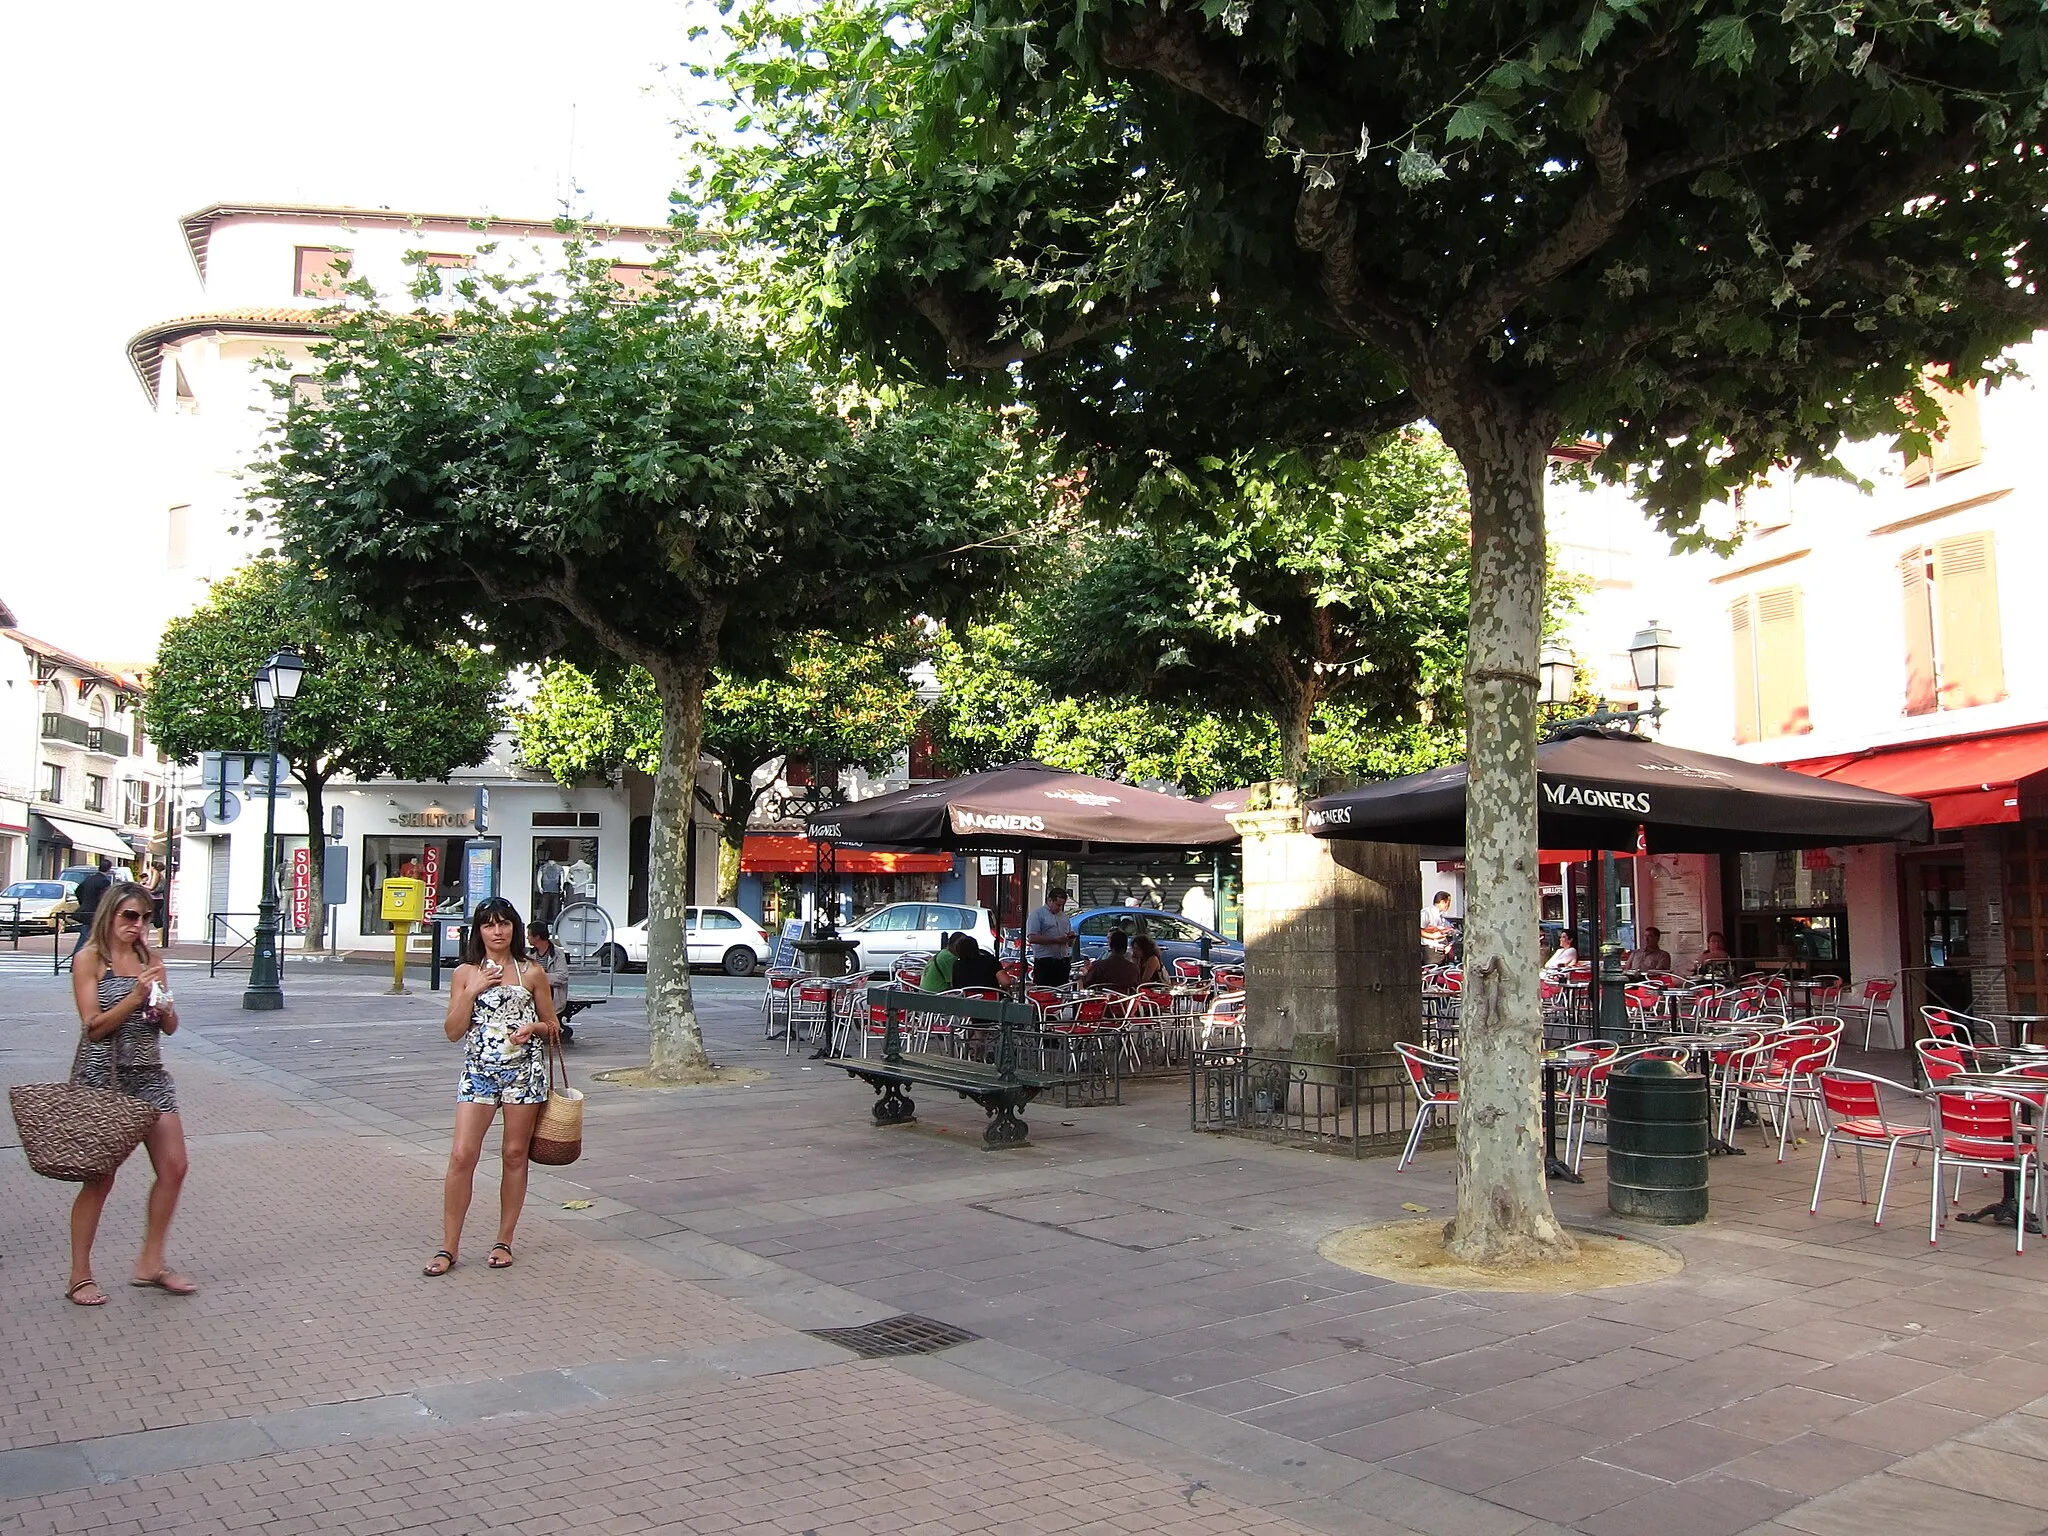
x=72, y=1294
x=168, y=1281
x=435, y=1269
x=494, y=1261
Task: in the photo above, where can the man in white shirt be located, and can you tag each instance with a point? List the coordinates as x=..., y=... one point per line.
x=1051, y=940
x=1198, y=906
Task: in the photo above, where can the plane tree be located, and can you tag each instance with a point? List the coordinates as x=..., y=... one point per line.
x=1719, y=237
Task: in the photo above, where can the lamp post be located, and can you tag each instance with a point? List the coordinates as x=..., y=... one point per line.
x=272, y=691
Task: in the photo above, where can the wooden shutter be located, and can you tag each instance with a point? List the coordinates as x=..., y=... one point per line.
x=1744, y=672
x=1963, y=444
x=1781, y=663
x=1921, y=698
x=1971, y=650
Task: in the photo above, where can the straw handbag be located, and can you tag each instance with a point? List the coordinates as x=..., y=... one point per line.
x=558, y=1134
x=78, y=1133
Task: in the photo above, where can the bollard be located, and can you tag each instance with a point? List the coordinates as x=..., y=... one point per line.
x=1657, y=1142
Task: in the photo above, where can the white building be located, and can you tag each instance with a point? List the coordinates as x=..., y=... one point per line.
x=266, y=270
x=1884, y=639
x=77, y=779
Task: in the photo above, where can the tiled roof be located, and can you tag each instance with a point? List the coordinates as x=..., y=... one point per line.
x=76, y=663
x=145, y=348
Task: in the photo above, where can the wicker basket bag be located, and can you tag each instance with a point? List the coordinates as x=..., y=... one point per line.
x=78, y=1133
x=558, y=1134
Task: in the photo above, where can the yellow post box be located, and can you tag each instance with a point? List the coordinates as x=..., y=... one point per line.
x=404, y=903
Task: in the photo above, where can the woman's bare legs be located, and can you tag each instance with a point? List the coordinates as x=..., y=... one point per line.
x=85, y=1225
x=518, y=1140
x=471, y=1121
x=166, y=1144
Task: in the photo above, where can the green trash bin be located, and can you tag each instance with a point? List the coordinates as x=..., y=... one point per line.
x=1657, y=1141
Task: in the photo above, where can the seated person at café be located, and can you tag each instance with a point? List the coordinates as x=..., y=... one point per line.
x=1436, y=917
x=1714, y=959
x=1563, y=958
x=1653, y=956
x=974, y=966
x=1151, y=965
x=1116, y=971
x=938, y=971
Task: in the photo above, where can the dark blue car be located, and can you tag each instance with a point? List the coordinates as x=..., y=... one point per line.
x=1177, y=937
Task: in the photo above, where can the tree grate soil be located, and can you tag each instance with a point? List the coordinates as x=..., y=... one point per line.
x=904, y=1334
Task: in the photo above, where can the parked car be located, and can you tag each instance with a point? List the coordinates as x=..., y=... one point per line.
x=915, y=928
x=1178, y=938
x=33, y=906
x=722, y=936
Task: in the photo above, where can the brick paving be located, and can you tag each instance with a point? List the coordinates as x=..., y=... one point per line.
x=1157, y=1318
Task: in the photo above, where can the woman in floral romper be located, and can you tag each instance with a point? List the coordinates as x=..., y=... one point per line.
x=501, y=1008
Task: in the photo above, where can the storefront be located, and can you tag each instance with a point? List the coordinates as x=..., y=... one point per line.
x=778, y=878
x=543, y=846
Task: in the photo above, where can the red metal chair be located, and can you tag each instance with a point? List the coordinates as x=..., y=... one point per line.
x=1585, y=1084
x=1852, y=1108
x=1788, y=1076
x=1876, y=999
x=1941, y=1060
x=1979, y=1127
x=1435, y=1081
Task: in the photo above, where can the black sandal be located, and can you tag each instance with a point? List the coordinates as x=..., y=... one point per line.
x=493, y=1259
x=435, y=1269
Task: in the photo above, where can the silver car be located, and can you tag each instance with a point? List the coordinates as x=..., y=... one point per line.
x=33, y=906
x=915, y=928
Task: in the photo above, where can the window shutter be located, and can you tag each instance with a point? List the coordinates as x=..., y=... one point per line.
x=1972, y=652
x=1781, y=663
x=1963, y=444
x=1921, y=699
x=1744, y=672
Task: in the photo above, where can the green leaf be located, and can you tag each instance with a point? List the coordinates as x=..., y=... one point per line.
x=1417, y=167
x=1476, y=119
x=1728, y=41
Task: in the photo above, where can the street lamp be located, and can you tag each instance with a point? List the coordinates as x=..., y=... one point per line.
x=1652, y=655
x=1556, y=675
x=272, y=690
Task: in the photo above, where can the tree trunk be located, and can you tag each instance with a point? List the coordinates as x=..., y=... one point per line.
x=675, y=1042
x=732, y=834
x=1503, y=1215
x=1292, y=716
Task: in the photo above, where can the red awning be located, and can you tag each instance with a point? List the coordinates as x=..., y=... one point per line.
x=1970, y=781
x=765, y=853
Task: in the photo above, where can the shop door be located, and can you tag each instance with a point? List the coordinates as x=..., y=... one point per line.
x=1938, y=915
x=217, y=850
x=2026, y=916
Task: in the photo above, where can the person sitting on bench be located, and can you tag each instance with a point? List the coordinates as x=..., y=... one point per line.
x=545, y=952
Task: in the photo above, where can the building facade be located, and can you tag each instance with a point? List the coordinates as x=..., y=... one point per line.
x=78, y=779
x=1882, y=637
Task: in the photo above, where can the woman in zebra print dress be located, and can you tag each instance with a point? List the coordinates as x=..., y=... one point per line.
x=111, y=978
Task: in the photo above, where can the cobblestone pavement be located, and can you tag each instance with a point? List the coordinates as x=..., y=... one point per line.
x=1161, y=1348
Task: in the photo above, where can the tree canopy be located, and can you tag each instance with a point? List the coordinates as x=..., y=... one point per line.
x=573, y=473
x=834, y=703
x=1287, y=582
x=368, y=706
x=1717, y=236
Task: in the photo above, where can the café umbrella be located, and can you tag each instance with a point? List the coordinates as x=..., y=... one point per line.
x=1615, y=791
x=1025, y=809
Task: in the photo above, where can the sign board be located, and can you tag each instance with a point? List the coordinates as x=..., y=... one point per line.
x=785, y=944
x=430, y=874
x=302, y=889
x=334, y=889
x=482, y=814
x=479, y=874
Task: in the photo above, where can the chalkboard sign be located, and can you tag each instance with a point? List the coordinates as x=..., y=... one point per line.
x=785, y=944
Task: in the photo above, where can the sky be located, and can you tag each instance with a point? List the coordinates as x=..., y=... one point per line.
x=120, y=118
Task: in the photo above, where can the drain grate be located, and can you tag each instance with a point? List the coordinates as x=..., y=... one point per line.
x=904, y=1334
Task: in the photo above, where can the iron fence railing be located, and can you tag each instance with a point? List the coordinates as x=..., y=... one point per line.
x=1360, y=1104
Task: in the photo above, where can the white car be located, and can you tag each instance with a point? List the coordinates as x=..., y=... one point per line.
x=722, y=936
x=915, y=928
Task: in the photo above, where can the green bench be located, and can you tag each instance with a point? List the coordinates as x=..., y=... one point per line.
x=999, y=1085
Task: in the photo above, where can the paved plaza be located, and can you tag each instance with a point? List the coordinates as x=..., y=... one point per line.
x=1159, y=1348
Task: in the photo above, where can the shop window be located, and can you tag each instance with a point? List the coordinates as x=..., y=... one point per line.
x=1962, y=443
x=1769, y=634
x=436, y=860
x=564, y=871
x=568, y=818
x=1792, y=910
x=318, y=271
x=1955, y=652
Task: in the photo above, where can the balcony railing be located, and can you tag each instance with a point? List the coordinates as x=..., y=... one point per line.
x=65, y=728
x=105, y=740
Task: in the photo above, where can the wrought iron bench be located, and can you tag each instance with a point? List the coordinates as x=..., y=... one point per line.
x=999, y=1085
